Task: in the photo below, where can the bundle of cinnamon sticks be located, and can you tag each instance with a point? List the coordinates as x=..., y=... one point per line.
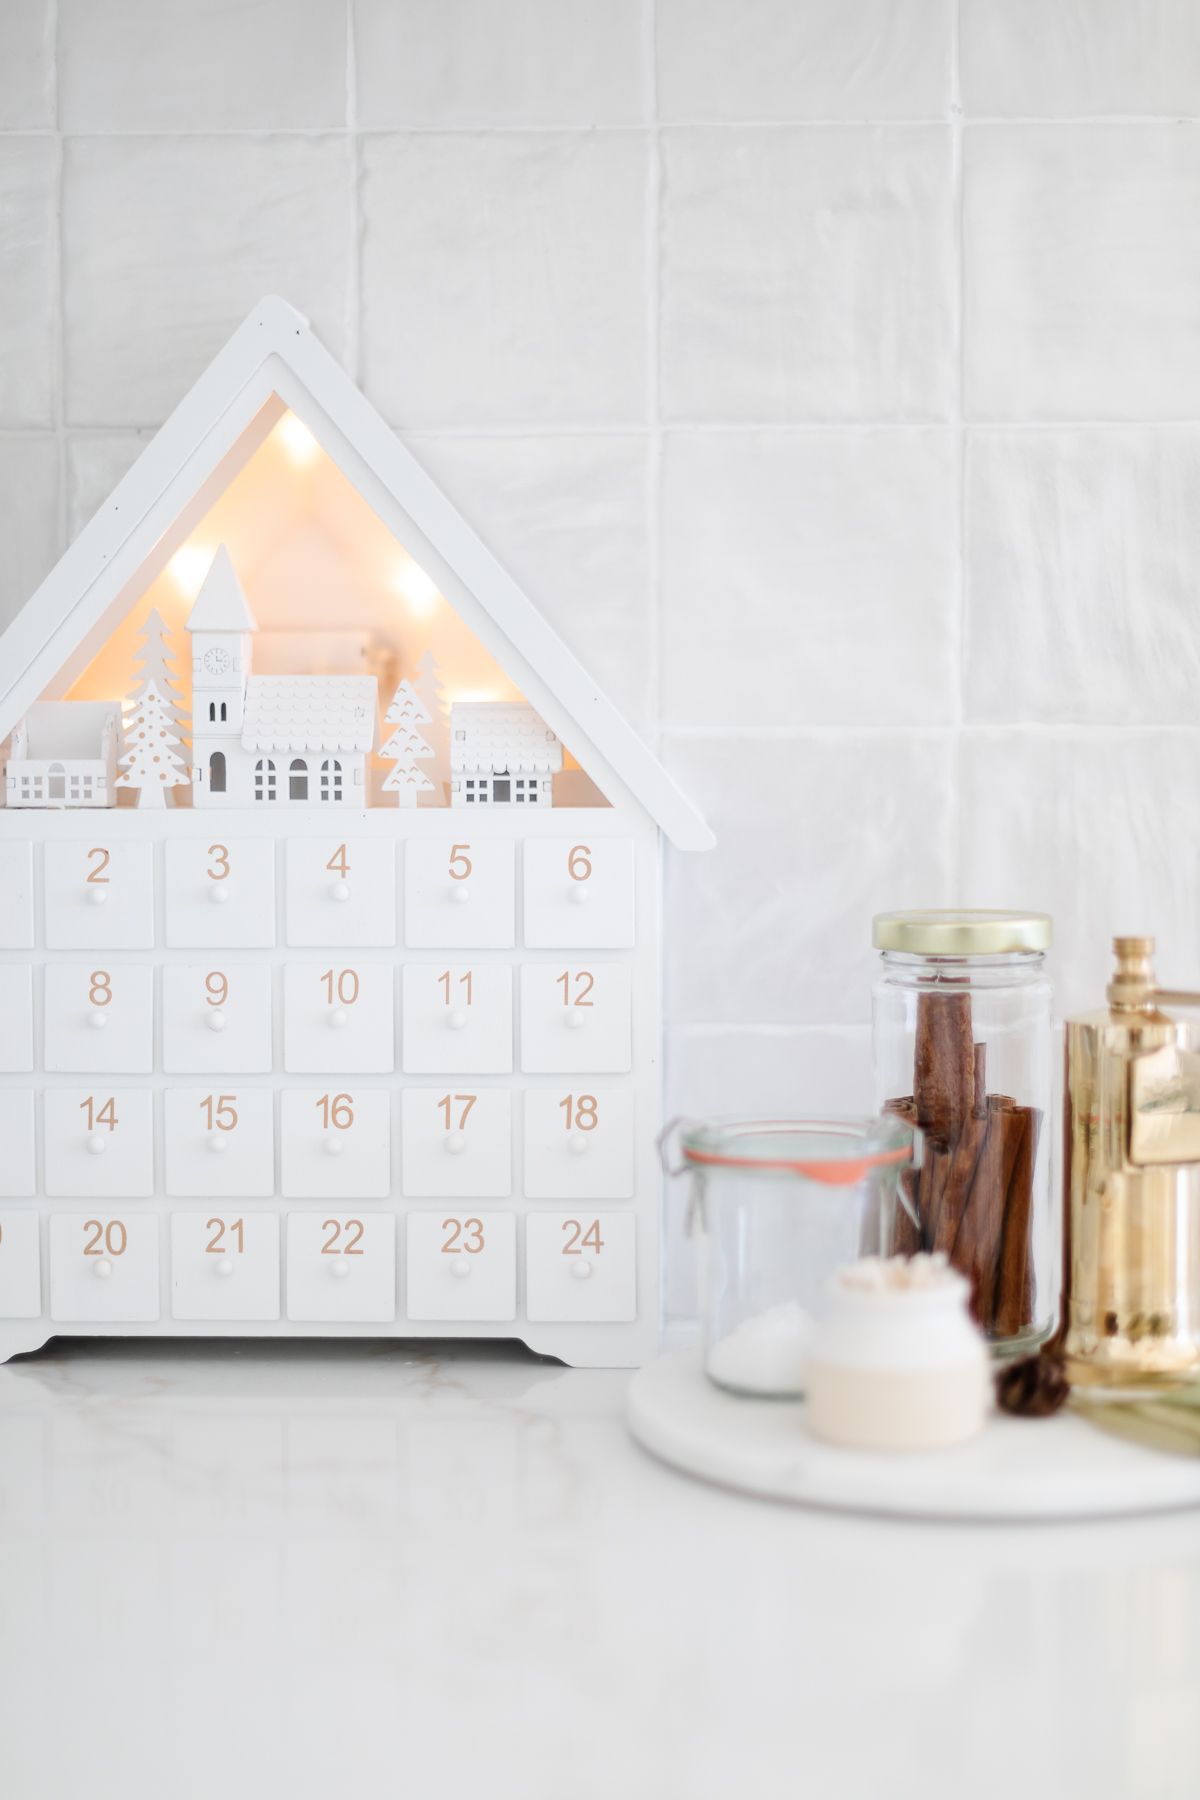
x=973, y=1191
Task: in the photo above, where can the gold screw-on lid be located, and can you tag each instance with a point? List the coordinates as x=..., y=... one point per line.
x=962, y=933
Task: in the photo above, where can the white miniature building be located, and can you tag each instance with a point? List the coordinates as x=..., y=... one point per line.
x=64, y=753
x=268, y=738
x=501, y=754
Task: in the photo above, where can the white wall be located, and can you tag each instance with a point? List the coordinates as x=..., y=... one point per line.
x=829, y=371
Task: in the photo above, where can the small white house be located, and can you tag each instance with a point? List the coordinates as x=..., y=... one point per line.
x=64, y=753
x=268, y=739
x=501, y=754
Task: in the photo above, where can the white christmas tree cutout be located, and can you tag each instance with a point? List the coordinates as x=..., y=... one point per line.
x=153, y=759
x=406, y=747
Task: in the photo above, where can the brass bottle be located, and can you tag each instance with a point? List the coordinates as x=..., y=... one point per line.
x=1131, y=1177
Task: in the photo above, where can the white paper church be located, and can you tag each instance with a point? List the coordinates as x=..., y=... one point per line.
x=330, y=910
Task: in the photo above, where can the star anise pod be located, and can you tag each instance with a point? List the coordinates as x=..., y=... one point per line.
x=1034, y=1388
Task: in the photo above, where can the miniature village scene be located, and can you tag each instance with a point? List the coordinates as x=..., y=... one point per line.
x=289, y=653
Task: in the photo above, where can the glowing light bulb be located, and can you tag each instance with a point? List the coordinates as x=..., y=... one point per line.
x=415, y=586
x=297, y=439
x=188, y=567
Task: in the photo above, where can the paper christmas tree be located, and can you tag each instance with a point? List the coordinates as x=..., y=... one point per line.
x=153, y=758
x=406, y=747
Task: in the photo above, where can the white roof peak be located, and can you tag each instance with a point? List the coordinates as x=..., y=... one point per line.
x=221, y=604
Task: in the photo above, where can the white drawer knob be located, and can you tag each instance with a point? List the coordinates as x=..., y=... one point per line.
x=456, y=1142
x=460, y=1267
x=457, y=1020
x=218, y=893
x=579, y=893
x=339, y=1268
x=339, y=1018
x=576, y=1018
x=460, y=893
x=216, y=1020
x=223, y=1268
x=102, y=1268
x=582, y=1268
x=216, y=1143
x=96, y=1144
x=578, y=1143
x=98, y=1020
x=334, y=1145
x=97, y=895
x=340, y=890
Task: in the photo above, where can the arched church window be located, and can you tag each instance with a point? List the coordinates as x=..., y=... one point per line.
x=264, y=779
x=298, y=780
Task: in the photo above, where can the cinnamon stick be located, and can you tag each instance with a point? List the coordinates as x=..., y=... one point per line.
x=976, y=1247
x=1013, y=1306
x=906, y=1233
x=944, y=1064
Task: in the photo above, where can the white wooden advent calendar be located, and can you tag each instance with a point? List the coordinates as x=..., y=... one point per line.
x=330, y=910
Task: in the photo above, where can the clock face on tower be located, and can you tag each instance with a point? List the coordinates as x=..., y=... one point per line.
x=217, y=662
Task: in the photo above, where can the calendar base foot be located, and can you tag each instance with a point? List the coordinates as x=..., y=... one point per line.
x=594, y=1347
x=18, y=1340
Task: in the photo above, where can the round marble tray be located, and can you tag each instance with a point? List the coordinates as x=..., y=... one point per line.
x=1060, y=1468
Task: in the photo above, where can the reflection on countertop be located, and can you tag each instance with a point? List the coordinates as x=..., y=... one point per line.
x=364, y=1569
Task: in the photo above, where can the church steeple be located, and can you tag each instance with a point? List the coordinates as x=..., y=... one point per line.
x=221, y=625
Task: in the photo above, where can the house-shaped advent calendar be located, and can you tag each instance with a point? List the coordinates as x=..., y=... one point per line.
x=330, y=931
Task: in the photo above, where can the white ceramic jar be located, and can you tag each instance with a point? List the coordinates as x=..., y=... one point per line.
x=897, y=1362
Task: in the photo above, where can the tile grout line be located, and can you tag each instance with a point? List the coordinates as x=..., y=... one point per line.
x=490, y=128
x=653, y=226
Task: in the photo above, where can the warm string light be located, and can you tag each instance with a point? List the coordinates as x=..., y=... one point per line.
x=414, y=586
x=188, y=567
x=297, y=439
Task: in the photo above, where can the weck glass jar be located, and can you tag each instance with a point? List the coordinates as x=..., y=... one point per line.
x=963, y=1053
x=780, y=1205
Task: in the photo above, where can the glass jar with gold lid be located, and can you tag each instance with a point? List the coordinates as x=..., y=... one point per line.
x=963, y=1051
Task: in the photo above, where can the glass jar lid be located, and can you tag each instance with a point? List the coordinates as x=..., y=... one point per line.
x=837, y=1152
x=962, y=932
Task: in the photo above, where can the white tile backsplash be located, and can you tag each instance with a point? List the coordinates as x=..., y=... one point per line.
x=504, y=278
x=1059, y=59
x=168, y=243
x=1082, y=576
x=807, y=273
x=174, y=65
x=822, y=561
x=535, y=62
x=26, y=65
x=814, y=836
x=1082, y=264
x=823, y=59
x=29, y=486
x=27, y=346
x=829, y=374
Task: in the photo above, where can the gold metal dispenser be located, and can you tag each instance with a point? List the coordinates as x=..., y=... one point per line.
x=1131, y=1248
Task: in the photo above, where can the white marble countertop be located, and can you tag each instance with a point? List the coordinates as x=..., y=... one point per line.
x=349, y=1570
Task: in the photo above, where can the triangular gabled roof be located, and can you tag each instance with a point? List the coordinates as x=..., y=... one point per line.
x=221, y=604
x=273, y=360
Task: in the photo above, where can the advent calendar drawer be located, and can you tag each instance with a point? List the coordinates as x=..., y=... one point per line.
x=99, y=1019
x=225, y=1266
x=104, y=1267
x=580, y=1268
x=100, y=1141
x=338, y=1017
x=579, y=1144
x=341, y=892
x=459, y=894
x=98, y=896
x=456, y=1143
x=579, y=893
x=16, y=1018
x=17, y=1171
x=336, y=1145
x=16, y=897
x=575, y=1018
x=20, y=1266
x=220, y=893
x=217, y=1016
x=457, y=1019
x=219, y=1144
x=462, y=1265
x=341, y=1267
